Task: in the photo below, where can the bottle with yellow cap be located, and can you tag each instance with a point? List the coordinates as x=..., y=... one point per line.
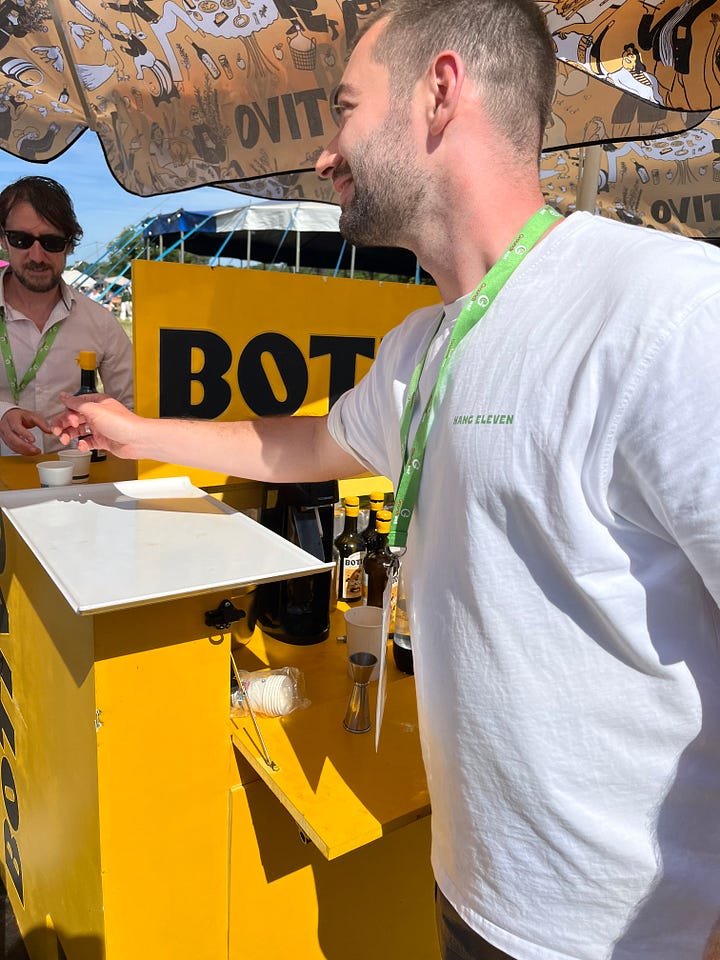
x=369, y=534
x=88, y=384
x=88, y=366
x=349, y=555
x=380, y=566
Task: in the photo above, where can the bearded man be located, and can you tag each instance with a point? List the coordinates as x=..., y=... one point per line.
x=44, y=324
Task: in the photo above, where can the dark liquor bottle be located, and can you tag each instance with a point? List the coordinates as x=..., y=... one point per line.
x=88, y=384
x=349, y=555
x=205, y=59
x=380, y=565
x=402, y=647
x=369, y=534
x=642, y=173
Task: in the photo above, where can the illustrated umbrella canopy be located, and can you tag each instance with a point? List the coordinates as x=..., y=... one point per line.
x=183, y=93
x=670, y=183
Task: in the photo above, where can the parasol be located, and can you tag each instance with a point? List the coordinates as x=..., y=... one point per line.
x=183, y=93
x=669, y=183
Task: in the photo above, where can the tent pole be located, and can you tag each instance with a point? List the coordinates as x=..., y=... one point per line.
x=352, y=262
x=297, y=251
x=247, y=252
x=182, y=246
x=588, y=175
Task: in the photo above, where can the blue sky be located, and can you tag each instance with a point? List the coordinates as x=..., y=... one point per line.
x=103, y=208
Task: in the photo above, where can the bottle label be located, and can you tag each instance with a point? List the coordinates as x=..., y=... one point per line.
x=351, y=576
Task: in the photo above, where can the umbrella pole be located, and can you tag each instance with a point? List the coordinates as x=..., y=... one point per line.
x=588, y=175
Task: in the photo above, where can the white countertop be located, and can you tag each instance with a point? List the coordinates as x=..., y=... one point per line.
x=113, y=545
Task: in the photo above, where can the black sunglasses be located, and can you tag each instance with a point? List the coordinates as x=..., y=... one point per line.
x=48, y=241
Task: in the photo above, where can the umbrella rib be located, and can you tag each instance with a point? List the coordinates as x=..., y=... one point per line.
x=67, y=53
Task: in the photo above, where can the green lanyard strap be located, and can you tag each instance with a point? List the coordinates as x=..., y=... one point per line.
x=47, y=341
x=474, y=310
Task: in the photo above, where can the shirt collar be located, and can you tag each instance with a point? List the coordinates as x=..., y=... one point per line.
x=67, y=293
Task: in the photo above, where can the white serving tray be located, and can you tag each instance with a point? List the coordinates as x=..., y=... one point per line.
x=112, y=545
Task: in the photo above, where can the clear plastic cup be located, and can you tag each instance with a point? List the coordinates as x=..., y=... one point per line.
x=364, y=630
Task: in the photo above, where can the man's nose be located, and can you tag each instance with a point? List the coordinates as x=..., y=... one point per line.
x=327, y=161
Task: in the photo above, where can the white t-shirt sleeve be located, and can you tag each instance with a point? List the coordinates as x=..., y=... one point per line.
x=668, y=448
x=365, y=420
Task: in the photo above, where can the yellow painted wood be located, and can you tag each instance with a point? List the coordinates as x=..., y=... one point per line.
x=49, y=652
x=163, y=752
x=287, y=900
x=339, y=790
x=20, y=473
x=238, y=305
x=121, y=769
x=364, y=486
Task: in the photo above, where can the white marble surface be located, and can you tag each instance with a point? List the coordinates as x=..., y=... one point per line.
x=113, y=545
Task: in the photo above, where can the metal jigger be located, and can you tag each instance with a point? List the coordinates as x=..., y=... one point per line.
x=357, y=717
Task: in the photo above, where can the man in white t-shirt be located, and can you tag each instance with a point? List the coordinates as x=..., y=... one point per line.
x=561, y=500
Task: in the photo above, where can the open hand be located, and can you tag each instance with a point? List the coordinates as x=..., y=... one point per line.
x=15, y=429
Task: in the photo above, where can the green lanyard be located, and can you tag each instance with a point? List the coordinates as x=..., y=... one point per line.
x=43, y=350
x=474, y=310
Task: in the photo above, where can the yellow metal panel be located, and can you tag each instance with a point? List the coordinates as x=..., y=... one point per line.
x=286, y=900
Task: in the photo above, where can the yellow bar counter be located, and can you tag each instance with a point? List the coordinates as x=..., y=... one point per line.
x=140, y=819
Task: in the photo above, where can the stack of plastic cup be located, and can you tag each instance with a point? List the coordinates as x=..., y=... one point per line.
x=270, y=695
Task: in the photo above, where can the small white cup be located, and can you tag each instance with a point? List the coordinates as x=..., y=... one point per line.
x=271, y=696
x=80, y=463
x=364, y=629
x=55, y=473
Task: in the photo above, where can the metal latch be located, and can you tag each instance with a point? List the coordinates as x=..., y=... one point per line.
x=223, y=615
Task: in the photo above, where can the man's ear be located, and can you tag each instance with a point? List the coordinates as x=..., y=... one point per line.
x=446, y=77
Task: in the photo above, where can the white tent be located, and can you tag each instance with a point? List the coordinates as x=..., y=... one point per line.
x=301, y=234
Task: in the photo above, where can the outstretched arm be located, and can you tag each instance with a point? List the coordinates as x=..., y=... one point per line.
x=279, y=450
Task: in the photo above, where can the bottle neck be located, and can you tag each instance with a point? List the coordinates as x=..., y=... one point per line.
x=87, y=381
x=382, y=544
x=350, y=524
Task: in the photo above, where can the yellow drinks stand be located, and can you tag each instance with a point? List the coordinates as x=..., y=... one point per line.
x=141, y=819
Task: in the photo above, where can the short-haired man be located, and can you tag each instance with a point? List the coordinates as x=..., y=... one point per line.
x=44, y=324
x=563, y=551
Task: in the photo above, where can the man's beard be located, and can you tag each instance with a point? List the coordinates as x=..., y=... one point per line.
x=387, y=187
x=38, y=281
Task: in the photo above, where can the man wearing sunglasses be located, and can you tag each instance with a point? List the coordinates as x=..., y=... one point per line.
x=44, y=324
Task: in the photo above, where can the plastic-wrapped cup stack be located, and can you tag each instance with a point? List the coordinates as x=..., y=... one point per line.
x=271, y=696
